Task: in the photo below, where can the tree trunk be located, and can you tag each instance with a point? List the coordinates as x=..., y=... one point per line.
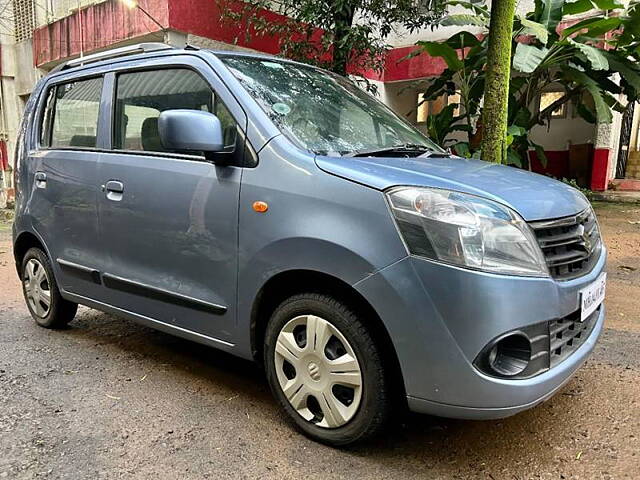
x=496, y=93
x=343, y=13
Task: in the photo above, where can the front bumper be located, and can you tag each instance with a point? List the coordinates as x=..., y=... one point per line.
x=441, y=317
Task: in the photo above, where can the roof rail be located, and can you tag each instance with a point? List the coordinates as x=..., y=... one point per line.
x=113, y=53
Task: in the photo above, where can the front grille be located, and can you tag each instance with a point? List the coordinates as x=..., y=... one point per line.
x=551, y=343
x=571, y=245
x=567, y=334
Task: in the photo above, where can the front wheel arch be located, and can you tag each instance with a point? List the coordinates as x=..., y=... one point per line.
x=289, y=283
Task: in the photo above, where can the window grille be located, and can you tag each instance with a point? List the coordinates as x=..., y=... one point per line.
x=24, y=19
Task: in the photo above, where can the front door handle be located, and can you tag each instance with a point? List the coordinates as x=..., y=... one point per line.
x=114, y=190
x=114, y=186
x=41, y=180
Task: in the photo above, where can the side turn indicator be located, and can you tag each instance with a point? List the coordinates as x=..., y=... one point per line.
x=260, y=207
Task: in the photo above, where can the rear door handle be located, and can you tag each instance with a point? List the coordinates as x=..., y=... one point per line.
x=41, y=180
x=114, y=190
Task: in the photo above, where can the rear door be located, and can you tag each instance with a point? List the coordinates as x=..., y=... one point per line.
x=64, y=165
x=169, y=221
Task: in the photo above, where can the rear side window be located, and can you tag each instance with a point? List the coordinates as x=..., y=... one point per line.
x=142, y=96
x=71, y=115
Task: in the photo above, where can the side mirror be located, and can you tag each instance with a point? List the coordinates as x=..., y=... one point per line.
x=190, y=131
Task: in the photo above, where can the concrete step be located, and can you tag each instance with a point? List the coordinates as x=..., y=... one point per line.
x=616, y=197
x=626, y=185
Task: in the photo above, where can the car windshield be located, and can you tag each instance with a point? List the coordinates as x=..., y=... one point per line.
x=325, y=113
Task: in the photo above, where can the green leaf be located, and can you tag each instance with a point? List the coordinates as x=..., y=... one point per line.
x=438, y=87
x=463, y=39
x=509, y=141
x=462, y=149
x=585, y=112
x=461, y=127
x=439, y=49
x=596, y=57
x=595, y=26
x=582, y=6
x=535, y=29
x=577, y=66
x=528, y=57
x=628, y=71
x=540, y=153
x=513, y=158
x=464, y=19
x=522, y=117
x=516, y=131
x=603, y=111
x=607, y=4
x=549, y=13
x=575, y=8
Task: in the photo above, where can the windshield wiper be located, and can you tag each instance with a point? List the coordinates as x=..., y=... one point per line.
x=421, y=150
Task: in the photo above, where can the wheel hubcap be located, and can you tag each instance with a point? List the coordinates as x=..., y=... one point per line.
x=37, y=288
x=318, y=371
x=314, y=371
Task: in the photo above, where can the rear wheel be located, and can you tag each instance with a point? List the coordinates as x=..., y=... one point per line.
x=325, y=369
x=46, y=305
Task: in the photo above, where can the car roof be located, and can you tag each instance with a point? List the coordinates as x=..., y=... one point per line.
x=103, y=59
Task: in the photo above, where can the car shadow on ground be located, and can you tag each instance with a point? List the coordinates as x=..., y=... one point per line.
x=433, y=440
x=180, y=355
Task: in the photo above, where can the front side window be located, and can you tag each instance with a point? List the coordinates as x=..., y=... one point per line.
x=142, y=96
x=71, y=115
x=322, y=112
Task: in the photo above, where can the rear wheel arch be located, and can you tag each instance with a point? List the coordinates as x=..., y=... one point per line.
x=22, y=244
x=291, y=282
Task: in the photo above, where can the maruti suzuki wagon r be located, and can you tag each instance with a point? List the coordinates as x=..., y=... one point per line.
x=278, y=212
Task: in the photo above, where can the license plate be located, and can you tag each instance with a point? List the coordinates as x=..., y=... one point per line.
x=592, y=296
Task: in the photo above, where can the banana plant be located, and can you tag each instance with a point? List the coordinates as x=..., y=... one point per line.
x=593, y=61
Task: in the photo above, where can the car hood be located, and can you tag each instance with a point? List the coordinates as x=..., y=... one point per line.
x=533, y=196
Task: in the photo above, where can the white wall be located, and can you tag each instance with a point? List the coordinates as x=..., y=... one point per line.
x=400, y=97
x=563, y=132
x=10, y=111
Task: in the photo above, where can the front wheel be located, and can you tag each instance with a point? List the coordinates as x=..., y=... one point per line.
x=326, y=370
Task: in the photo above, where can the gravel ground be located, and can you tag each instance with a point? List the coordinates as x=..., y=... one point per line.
x=107, y=398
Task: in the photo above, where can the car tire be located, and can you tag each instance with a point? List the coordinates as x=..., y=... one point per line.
x=329, y=397
x=40, y=290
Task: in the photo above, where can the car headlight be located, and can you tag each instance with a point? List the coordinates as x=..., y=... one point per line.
x=466, y=230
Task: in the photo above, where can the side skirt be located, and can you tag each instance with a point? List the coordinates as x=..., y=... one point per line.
x=150, y=322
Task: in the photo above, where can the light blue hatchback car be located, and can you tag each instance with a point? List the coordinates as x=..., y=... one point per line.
x=276, y=211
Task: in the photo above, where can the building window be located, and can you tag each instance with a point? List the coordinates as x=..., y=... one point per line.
x=24, y=19
x=547, y=98
x=455, y=99
x=433, y=107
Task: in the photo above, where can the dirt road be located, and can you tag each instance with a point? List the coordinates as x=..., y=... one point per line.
x=110, y=399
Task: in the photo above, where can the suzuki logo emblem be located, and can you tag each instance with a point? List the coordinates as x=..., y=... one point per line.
x=586, y=241
x=314, y=371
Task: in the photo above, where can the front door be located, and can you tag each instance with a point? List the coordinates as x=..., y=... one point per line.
x=169, y=221
x=64, y=165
